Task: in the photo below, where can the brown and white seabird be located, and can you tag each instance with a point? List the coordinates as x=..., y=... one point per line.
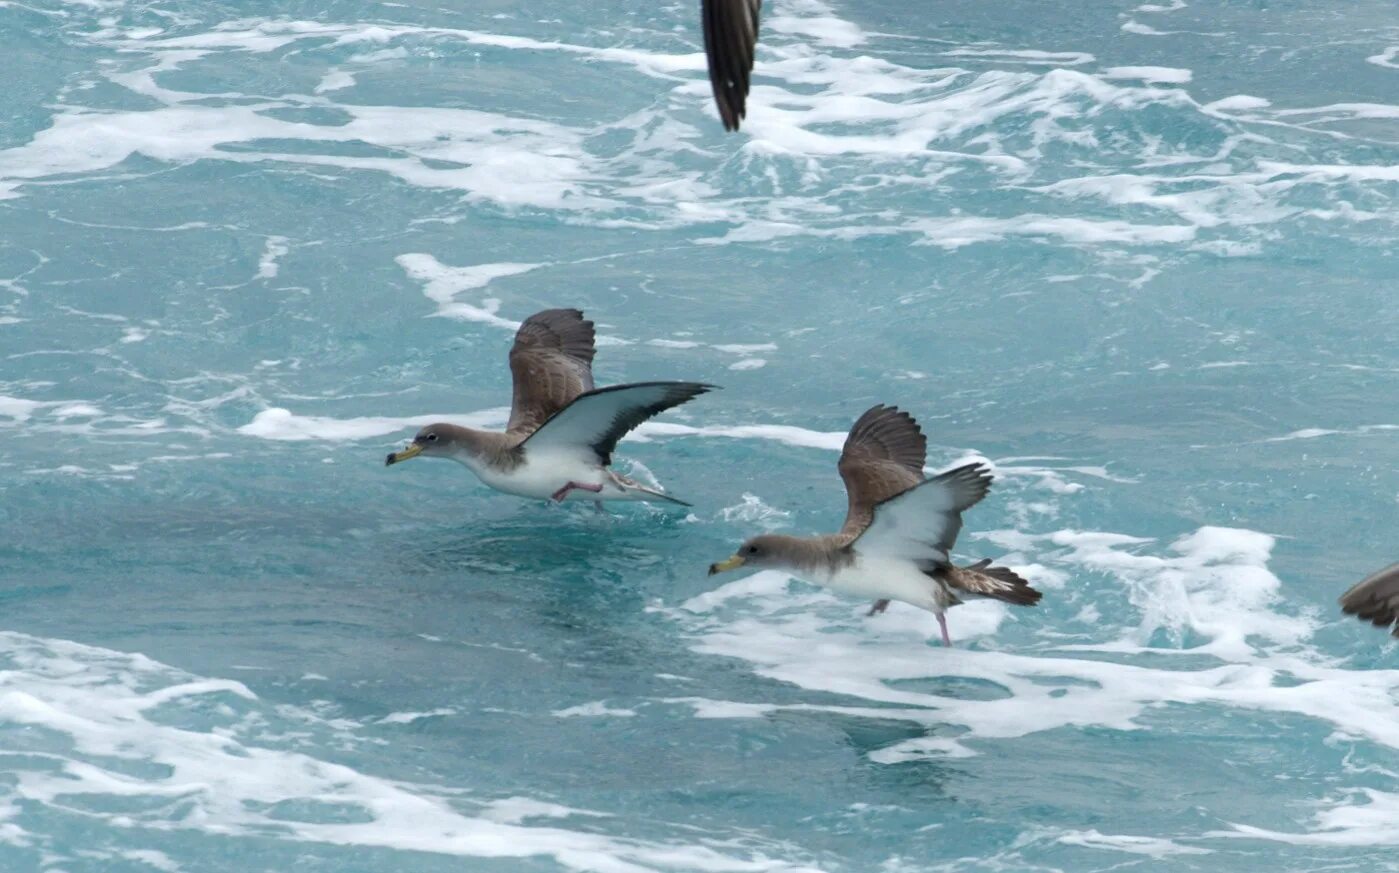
x=1375, y=598
x=899, y=528
x=559, y=440
x=730, y=37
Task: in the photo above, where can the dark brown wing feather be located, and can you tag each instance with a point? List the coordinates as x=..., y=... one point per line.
x=730, y=36
x=998, y=583
x=552, y=363
x=1375, y=598
x=883, y=456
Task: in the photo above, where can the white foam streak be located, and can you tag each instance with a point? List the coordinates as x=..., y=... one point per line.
x=1386, y=58
x=1311, y=433
x=594, y=709
x=1166, y=75
x=1154, y=847
x=17, y=409
x=782, y=433
x=284, y=425
x=273, y=249
x=442, y=284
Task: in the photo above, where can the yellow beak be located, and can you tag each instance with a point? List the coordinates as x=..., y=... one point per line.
x=726, y=565
x=412, y=451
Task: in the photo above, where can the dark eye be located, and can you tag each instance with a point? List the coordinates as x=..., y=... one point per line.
x=432, y=437
x=752, y=550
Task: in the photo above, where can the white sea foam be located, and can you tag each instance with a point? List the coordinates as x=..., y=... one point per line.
x=1133, y=26
x=919, y=115
x=282, y=424
x=954, y=233
x=107, y=726
x=752, y=510
x=442, y=284
x=1168, y=75
x=814, y=20
x=335, y=80
x=594, y=709
x=1311, y=433
x=1154, y=847
x=17, y=409
x=274, y=248
x=517, y=810
x=1357, y=817
x=1386, y=58
x=746, y=349
x=410, y=717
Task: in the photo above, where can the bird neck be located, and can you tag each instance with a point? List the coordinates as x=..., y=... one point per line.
x=478, y=448
x=808, y=555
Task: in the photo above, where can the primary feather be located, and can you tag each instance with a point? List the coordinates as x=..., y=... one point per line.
x=730, y=37
x=1375, y=598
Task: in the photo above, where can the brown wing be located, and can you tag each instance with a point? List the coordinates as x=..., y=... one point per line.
x=552, y=363
x=1375, y=598
x=883, y=456
x=730, y=35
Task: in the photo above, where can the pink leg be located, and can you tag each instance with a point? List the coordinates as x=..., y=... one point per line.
x=942, y=623
x=559, y=495
x=879, y=606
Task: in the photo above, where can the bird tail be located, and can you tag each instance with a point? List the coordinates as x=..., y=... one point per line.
x=998, y=583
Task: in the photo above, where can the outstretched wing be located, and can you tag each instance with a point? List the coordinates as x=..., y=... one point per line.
x=595, y=421
x=922, y=523
x=730, y=36
x=1375, y=598
x=883, y=456
x=552, y=363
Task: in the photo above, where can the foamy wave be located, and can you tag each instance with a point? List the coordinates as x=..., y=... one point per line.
x=1360, y=817
x=820, y=113
x=137, y=747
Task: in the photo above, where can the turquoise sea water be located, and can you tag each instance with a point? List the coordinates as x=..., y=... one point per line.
x=1140, y=257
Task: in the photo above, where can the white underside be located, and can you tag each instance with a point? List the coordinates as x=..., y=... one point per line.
x=887, y=579
x=541, y=475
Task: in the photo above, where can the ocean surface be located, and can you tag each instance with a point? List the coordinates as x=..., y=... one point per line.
x=1142, y=258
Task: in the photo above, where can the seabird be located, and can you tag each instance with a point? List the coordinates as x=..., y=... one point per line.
x=899, y=528
x=730, y=36
x=562, y=431
x=1375, y=598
